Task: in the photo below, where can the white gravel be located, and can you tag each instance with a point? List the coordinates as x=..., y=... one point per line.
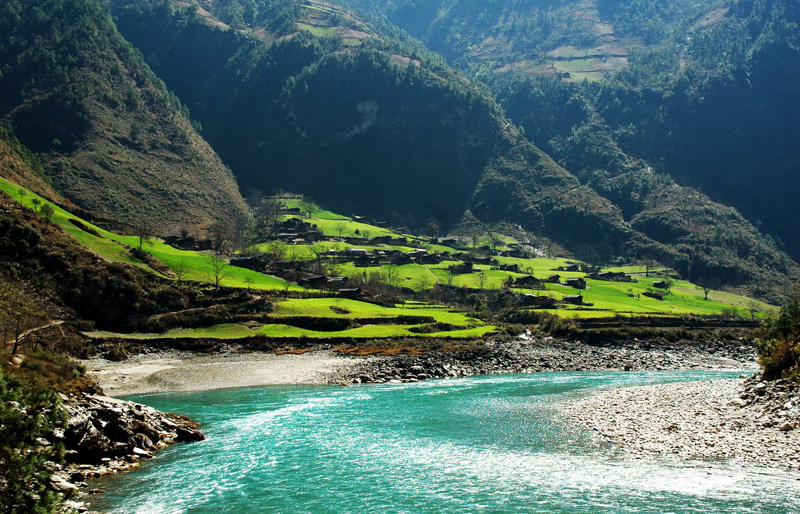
x=693, y=420
x=181, y=371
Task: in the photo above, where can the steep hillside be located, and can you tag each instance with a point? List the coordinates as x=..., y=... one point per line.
x=23, y=167
x=109, y=135
x=726, y=126
x=368, y=128
x=576, y=39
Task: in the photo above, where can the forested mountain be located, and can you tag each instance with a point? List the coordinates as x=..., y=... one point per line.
x=363, y=119
x=108, y=134
x=716, y=108
x=366, y=126
x=352, y=110
x=580, y=38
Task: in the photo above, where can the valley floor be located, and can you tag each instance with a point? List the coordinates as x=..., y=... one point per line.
x=151, y=371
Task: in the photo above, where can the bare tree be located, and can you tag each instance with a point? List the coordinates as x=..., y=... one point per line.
x=180, y=271
x=475, y=241
x=143, y=230
x=448, y=278
x=707, y=285
x=340, y=228
x=217, y=267
x=308, y=207
x=19, y=315
x=391, y=276
x=275, y=251
x=480, y=280
x=222, y=235
x=266, y=217
x=423, y=281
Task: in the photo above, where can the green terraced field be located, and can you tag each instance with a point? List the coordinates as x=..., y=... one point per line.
x=114, y=247
x=324, y=308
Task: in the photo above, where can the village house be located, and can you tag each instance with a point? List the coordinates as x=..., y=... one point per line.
x=612, y=276
x=527, y=282
x=574, y=299
x=542, y=302
x=577, y=283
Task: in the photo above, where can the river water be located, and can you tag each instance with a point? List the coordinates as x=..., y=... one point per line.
x=493, y=444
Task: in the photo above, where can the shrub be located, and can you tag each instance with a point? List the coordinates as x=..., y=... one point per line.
x=779, y=347
x=28, y=418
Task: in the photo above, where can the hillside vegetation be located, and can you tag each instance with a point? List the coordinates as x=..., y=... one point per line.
x=311, y=97
x=109, y=135
x=680, y=113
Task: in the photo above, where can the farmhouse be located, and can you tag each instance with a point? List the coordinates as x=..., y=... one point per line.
x=611, y=276
x=461, y=269
x=530, y=300
x=527, y=282
x=577, y=283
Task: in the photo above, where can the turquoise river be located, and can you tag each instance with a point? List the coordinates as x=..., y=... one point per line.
x=486, y=444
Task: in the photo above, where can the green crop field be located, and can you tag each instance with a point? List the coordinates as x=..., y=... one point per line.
x=113, y=247
x=317, y=30
x=324, y=308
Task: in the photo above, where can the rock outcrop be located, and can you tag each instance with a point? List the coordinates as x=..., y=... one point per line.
x=105, y=435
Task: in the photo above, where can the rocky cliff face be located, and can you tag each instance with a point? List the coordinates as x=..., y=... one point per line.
x=105, y=435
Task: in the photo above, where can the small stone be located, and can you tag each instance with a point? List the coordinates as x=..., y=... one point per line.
x=59, y=484
x=141, y=453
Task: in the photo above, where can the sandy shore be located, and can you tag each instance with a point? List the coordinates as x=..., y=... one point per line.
x=714, y=420
x=183, y=371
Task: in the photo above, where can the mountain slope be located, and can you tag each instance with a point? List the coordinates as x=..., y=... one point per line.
x=726, y=126
x=369, y=128
x=574, y=38
x=110, y=136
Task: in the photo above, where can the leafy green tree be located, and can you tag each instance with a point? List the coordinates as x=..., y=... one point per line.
x=28, y=418
x=779, y=347
x=46, y=211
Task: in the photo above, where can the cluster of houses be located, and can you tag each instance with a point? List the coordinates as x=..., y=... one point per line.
x=295, y=230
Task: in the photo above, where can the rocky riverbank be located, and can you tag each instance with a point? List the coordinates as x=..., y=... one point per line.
x=740, y=420
x=106, y=435
x=529, y=355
